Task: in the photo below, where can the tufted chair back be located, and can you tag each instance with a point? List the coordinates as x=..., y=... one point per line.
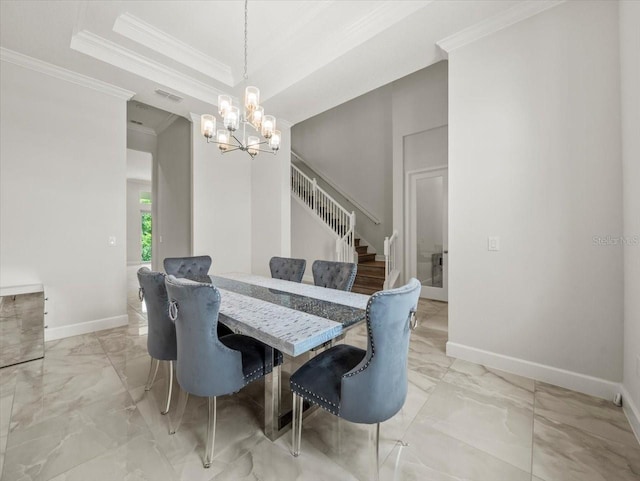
x=161, y=340
x=189, y=267
x=287, y=269
x=376, y=389
x=334, y=275
x=205, y=367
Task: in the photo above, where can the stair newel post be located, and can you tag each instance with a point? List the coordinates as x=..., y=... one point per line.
x=314, y=190
x=352, y=244
x=386, y=258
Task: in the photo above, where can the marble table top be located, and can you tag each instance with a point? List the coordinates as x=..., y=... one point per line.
x=274, y=313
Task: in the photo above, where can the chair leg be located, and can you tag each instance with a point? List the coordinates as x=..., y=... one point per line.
x=296, y=424
x=169, y=387
x=182, y=405
x=211, y=432
x=153, y=372
x=376, y=467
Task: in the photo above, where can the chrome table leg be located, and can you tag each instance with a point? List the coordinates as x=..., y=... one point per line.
x=296, y=424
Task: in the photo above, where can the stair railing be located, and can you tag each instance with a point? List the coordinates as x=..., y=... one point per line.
x=336, y=217
x=391, y=271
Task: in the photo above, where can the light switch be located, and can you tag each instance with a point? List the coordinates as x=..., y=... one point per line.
x=112, y=240
x=494, y=244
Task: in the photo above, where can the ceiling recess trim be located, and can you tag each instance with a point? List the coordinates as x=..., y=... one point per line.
x=151, y=37
x=107, y=51
x=513, y=15
x=61, y=73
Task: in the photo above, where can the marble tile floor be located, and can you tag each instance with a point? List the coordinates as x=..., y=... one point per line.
x=82, y=414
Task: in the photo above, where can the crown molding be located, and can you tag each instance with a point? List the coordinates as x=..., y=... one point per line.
x=107, y=51
x=141, y=128
x=385, y=14
x=504, y=19
x=61, y=73
x=151, y=37
x=285, y=123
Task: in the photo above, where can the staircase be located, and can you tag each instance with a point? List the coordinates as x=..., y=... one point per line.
x=338, y=219
x=372, y=276
x=371, y=273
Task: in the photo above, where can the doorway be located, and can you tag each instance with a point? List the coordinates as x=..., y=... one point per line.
x=427, y=192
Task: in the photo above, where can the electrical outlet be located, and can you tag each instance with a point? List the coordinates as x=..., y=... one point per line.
x=493, y=244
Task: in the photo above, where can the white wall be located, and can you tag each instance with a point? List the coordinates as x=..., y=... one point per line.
x=311, y=239
x=630, y=83
x=172, y=216
x=221, y=186
x=62, y=195
x=241, y=206
x=534, y=135
x=134, y=228
x=270, y=205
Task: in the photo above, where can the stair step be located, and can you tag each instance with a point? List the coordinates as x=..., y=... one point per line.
x=361, y=249
x=373, y=269
x=366, y=257
x=357, y=241
x=364, y=290
x=372, y=282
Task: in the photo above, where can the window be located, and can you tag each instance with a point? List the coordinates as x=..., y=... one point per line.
x=145, y=237
x=145, y=197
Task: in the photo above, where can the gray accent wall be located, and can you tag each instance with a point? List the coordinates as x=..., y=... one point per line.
x=359, y=144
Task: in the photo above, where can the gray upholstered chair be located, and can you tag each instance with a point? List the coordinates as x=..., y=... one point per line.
x=161, y=339
x=357, y=385
x=196, y=266
x=207, y=365
x=334, y=275
x=287, y=269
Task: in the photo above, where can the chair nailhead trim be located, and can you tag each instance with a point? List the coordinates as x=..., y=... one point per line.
x=315, y=401
x=373, y=347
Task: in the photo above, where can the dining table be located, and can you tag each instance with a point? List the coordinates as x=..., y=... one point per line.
x=290, y=317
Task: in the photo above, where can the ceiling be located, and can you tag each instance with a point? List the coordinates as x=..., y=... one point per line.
x=305, y=56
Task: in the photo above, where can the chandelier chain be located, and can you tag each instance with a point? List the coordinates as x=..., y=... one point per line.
x=246, y=15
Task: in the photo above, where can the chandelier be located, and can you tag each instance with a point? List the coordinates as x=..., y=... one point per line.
x=262, y=128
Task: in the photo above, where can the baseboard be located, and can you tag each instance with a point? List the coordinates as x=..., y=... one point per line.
x=53, y=333
x=575, y=381
x=632, y=411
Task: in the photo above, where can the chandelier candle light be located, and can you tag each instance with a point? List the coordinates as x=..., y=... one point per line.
x=252, y=115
